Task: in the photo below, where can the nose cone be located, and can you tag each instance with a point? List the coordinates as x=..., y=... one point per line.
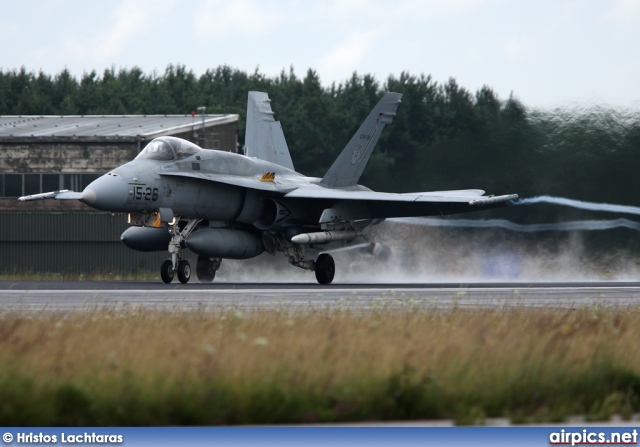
x=108, y=193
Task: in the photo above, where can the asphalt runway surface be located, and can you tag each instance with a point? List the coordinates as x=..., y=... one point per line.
x=87, y=296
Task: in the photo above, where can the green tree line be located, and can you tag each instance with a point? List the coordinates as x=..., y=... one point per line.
x=443, y=137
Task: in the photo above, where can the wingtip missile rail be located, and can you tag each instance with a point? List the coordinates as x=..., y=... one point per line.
x=44, y=195
x=491, y=200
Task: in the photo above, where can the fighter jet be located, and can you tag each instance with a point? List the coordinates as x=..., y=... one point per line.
x=222, y=205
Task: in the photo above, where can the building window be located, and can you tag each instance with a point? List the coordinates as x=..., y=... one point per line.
x=71, y=182
x=50, y=182
x=32, y=184
x=86, y=179
x=17, y=185
x=13, y=185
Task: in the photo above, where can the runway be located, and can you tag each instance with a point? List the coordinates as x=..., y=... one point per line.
x=87, y=296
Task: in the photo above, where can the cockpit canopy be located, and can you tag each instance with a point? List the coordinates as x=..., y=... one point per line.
x=168, y=149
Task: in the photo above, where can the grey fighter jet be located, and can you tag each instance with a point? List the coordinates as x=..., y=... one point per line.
x=223, y=205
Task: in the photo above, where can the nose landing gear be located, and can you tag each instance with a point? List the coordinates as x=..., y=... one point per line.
x=184, y=271
x=176, y=265
x=167, y=273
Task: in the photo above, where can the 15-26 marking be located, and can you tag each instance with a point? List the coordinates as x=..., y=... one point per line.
x=143, y=192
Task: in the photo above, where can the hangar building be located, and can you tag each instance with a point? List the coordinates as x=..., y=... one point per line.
x=47, y=153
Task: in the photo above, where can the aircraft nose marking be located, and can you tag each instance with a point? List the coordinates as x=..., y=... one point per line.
x=108, y=193
x=89, y=196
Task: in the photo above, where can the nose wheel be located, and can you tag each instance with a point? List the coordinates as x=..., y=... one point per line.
x=166, y=271
x=184, y=271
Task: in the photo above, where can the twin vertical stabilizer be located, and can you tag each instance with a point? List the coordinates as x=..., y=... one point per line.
x=350, y=164
x=264, y=138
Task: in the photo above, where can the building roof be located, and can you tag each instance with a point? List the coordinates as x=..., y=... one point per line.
x=91, y=127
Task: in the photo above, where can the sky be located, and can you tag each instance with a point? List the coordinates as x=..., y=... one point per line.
x=547, y=53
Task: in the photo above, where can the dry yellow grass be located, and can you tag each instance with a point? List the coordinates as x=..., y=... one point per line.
x=522, y=363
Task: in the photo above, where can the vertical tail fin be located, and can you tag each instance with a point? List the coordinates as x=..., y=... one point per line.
x=264, y=138
x=350, y=164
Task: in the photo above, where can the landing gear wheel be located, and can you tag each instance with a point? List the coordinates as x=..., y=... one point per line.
x=166, y=271
x=184, y=271
x=325, y=268
x=205, y=269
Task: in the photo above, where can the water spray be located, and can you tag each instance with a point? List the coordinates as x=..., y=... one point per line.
x=577, y=225
x=592, y=206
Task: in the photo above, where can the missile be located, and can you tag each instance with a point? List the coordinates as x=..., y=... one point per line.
x=61, y=194
x=324, y=237
x=490, y=200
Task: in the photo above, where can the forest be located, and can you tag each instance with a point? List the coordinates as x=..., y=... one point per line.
x=443, y=137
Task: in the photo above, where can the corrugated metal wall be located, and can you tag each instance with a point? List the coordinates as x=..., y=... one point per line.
x=61, y=227
x=70, y=243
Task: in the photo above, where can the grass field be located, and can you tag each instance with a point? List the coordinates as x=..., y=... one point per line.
x=189, y=368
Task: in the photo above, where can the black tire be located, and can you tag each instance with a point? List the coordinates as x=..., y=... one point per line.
x=325, y=268
x=184, y=271
x=166, y=271
x=204, y=269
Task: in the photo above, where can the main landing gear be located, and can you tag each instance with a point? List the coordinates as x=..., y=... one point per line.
x=206, y=268
x=325, y=268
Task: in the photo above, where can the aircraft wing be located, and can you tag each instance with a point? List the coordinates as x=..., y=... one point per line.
x=63, y=194
x=433, y=203
x=237, y=180
x=432, y=196
x=379, y=204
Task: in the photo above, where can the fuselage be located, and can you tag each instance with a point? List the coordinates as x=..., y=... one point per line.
x=196, y=183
